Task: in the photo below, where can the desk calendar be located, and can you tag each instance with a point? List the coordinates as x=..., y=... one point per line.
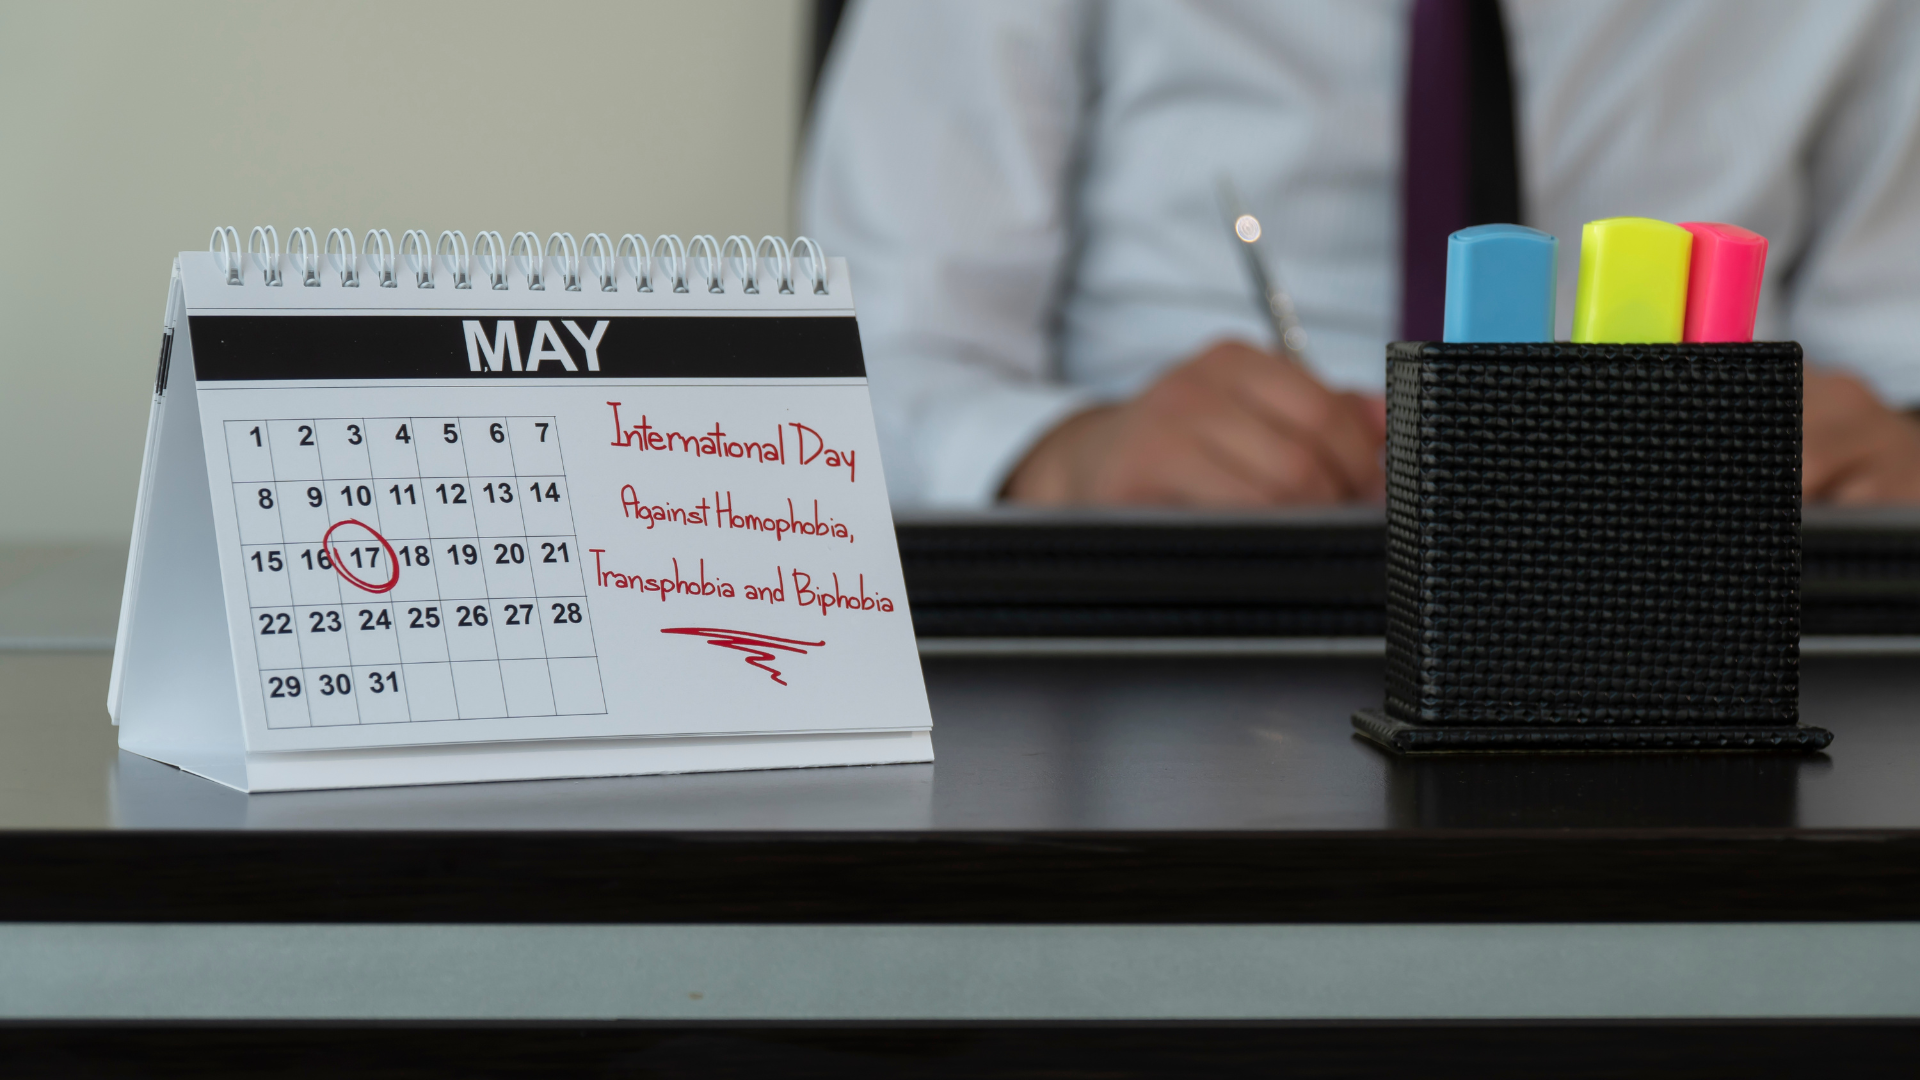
x=512, y=512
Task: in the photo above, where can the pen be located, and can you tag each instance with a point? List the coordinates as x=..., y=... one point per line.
x=1288, y=335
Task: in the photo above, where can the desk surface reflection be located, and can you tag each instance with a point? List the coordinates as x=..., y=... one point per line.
x=1159, y=745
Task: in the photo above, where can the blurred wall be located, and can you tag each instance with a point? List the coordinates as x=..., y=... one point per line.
x=129, y=130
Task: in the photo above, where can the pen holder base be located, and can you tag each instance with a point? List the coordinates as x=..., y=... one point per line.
x=1593, y=547
x=1403, y=737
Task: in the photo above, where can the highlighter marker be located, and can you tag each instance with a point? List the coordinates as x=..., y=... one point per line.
x=1723, y=284
x=1500, y=284
x=1633, y=281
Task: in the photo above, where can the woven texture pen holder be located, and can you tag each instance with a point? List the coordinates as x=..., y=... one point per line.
x=1593, y=547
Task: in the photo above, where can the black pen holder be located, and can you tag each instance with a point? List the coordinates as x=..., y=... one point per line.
x=1593, y=547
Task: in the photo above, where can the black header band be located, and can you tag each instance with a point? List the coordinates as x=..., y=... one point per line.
x=267, y=347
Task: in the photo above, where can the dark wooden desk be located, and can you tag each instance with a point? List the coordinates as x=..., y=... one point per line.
x=1202, y=843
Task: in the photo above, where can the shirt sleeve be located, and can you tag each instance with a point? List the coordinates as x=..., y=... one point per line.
x=939, y=166
x=1854, y=299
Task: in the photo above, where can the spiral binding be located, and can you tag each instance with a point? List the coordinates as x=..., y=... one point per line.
x=266, y=254
x=452, y=250
x=597, y=252
x=379, y=245
x=524, y=255
x=676, y=261
x=633, y=255
x=666, y=264
x=225, y=246
x=343, y=255
x=703, y=252
x=414, y=247
x=568, y=260
x=491, y=252
x=304, y=252
x=738, y=254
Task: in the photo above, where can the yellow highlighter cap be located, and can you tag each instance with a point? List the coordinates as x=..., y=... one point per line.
x=1633, y=281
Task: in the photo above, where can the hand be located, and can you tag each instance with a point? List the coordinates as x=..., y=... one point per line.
x=1854, y=449
x=1234, y=426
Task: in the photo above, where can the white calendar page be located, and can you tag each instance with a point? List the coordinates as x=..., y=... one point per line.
x=464, y=516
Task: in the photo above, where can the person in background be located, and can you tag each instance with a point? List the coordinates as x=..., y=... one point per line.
x=1053, y=311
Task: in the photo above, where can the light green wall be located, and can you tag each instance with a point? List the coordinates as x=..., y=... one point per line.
x=129, y=130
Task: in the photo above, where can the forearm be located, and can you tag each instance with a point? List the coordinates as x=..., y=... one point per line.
x=939, y=167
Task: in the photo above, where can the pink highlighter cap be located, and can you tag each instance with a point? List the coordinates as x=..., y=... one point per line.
x=1723, y=284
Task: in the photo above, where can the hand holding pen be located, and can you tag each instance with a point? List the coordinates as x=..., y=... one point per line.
x=1231, y=426
x=1270, y=292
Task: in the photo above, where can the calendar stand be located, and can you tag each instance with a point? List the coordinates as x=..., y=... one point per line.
x=396, y=577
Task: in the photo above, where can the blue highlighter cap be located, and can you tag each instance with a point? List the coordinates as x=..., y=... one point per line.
x=1500, y=284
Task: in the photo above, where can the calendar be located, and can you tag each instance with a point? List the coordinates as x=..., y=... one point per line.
x=415, y=514
x=395, y=579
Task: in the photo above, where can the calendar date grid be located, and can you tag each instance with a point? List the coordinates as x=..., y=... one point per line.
x=412, y=569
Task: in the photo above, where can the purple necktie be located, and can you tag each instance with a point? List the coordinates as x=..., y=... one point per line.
x=1459, y=166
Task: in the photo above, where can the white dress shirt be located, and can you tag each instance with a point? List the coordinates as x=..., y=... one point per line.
x=1026, y=188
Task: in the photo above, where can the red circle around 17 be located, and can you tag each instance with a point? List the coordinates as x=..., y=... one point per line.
x=340, y=567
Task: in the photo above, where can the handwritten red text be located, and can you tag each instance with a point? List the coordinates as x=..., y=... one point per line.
x=720, y=514
x=806, y=594
x=807, y=591
x=809, y=445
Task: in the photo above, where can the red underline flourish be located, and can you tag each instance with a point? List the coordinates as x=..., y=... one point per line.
x=756, y=646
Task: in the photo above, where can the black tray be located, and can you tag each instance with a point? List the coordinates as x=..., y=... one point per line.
x=1321, y=574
